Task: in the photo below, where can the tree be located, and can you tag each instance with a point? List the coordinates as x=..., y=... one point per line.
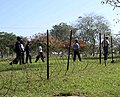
x=61, y=31
x=89, y=28
x=116, y=42
x=7, y=41
x=114, y=3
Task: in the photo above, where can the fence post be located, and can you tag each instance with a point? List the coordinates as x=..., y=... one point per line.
x=112, y=50
x=100, y=47
x=47, y=55
x=69, y=49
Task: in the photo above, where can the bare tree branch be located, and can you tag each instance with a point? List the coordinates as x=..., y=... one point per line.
x=114, y=3
x=118, y=1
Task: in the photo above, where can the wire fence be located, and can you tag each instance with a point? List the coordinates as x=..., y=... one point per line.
x=16, y=79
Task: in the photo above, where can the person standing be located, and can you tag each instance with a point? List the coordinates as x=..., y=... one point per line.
x=40, y=53
x=76, y=48
x=18, y=51
x=22, y=52
x=28, y=55
x=105, y=45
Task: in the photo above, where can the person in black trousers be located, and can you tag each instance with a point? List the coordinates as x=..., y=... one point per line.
x=40, y=53
x=76, y=48
x=18, y=51
x=105, y=45
x=28, y=55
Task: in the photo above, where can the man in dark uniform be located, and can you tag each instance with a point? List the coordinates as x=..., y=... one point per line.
x=18, y=51
x=28, y=55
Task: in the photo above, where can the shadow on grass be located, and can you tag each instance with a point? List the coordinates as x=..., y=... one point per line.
x=20, y=67
x=67, y=95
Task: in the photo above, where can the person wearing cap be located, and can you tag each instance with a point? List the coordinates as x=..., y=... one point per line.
x=40, y=53
x=76, y=48
x=105, y=45
x=28, y=55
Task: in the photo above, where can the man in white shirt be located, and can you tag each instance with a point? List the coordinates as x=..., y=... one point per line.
x=22, y=52
x=40, y=53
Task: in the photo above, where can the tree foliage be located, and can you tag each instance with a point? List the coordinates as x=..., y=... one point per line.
x=55, y=45
x=91, y=25
x=114, y=3
x=61, y=31
x=116, y=42
x=89, y=28
x=7, y=41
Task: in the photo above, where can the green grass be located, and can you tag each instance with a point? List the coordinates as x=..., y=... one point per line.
x=87, y=78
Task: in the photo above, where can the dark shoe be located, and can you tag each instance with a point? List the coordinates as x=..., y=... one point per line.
x=43, y=61
x=10, y=63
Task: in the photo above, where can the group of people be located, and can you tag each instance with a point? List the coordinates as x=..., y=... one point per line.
x=20, y=49
x=105, y=46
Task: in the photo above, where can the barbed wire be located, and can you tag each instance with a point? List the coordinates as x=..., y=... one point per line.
x=20, y=78
x=11, y=82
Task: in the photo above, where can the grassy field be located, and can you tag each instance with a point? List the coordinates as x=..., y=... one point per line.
x=85, y=79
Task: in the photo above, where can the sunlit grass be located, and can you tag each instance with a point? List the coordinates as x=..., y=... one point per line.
x=87, y=78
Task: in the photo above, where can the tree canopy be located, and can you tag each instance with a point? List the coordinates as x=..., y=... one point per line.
x=7, y=41
x=114, y=3
x=89, y=28
x=62, y=31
